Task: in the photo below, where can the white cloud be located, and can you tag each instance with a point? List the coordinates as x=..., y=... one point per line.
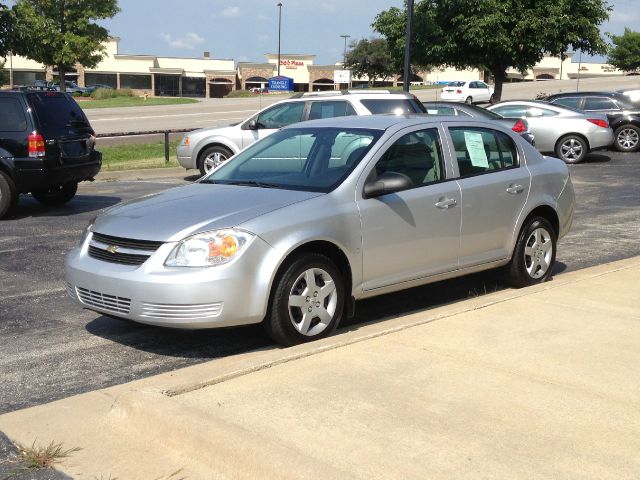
x=231, y=12
x=188, y=41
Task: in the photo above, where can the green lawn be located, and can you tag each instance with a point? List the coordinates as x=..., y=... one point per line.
x=132, y=102
x=134, y=156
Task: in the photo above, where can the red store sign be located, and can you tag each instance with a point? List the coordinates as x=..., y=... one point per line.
x=291, y=64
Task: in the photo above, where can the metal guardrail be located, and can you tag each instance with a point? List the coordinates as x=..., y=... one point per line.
x=149, y=132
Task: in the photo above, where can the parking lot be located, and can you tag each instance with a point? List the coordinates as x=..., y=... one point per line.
x=50, y=349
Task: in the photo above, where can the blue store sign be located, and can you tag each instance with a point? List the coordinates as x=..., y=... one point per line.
x=281, y=83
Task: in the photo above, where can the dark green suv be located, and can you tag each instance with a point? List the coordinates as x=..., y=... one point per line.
x=46, y=147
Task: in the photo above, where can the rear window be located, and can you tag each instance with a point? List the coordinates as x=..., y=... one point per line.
x=58, y=114
x=398, y=106
x=456, y=84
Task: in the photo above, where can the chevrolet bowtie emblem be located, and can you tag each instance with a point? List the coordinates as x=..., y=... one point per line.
x=112, y=248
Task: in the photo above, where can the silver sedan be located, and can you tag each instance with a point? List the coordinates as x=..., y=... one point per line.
x=567, y=133
x=320, y=214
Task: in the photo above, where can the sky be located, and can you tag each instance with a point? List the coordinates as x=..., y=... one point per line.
x=245, y=30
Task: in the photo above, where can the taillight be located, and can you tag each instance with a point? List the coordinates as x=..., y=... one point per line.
x=36, y=144
x=599, y=122
x=519, y=127
x=458, y=91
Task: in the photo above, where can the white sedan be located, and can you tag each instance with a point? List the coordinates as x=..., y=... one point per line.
x=468, y=92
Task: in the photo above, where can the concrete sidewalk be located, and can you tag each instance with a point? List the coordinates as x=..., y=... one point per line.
x=534, y=383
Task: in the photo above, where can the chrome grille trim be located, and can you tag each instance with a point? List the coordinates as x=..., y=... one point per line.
x=117, y=257
x=181, y=312
x=148, y=245
x=103, y=301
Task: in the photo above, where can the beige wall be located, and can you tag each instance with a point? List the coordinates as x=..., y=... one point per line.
x=293, y=66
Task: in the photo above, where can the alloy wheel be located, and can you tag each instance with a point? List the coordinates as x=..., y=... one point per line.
x=538, y=253
x=571, y=149
x=628, y=138
x=213, y=160
x=312, y=302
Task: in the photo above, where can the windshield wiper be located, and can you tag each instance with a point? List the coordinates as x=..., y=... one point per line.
x=251, y=183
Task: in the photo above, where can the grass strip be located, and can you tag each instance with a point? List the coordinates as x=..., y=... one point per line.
x=133, y=102
x=137, y=155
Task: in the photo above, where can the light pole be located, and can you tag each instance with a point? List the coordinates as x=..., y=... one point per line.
x=279, y=31
x=579, y=68
x=344, y=55
x=407, y=46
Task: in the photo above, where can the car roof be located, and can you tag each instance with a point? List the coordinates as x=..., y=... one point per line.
x=333, y=94
x=582, y=94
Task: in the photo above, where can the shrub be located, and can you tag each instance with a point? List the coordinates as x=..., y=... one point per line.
x=103, y=93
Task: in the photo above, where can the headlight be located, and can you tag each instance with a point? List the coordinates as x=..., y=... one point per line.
x=185, y=141
x=209, y=249
x=87, y=230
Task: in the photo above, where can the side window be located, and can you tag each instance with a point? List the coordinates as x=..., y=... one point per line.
x=573, y=102
x=12, y=118
x=482, y=85
x=281, y=115
x=417, y=155
x=330, y=109
x=599, y=103
x=540, y=112
x=473, y=85
x=511, y=111
x=480, y=150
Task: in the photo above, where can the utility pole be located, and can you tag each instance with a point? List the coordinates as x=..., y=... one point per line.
x=579, y=69
x=344, y=55
x=407, y=46
x=279, y=32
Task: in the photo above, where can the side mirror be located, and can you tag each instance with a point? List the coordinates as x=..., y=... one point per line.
x=388, y=182
x=253, y=124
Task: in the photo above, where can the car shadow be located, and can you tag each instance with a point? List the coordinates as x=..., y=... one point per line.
x=29, y=207
x=596, y=158
x=192, y=178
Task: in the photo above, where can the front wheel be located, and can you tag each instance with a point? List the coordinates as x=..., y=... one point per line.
x=534, y=255
x=627, y=138
x=56, y=195
x=213, y=157
x=308, y=301
x=571, y=148
x=468, y=100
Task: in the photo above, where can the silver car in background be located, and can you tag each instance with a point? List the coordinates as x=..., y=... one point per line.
x=320, y=214
x=207, y=148
x=567, y=133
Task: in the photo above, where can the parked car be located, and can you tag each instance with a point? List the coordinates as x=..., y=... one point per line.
x=457, y=109
x=320, y=214
x=623, y=116
x=260, y=90
x=46, y=147
x=468, y=92
x=207, y=148
x=96, y=86
x=567, y=133
x=633, y=94
x=71, y=88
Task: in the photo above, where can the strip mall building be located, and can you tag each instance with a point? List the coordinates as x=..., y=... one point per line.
x=209, y=77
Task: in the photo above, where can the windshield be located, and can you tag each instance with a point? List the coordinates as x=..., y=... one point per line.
x=312, y=159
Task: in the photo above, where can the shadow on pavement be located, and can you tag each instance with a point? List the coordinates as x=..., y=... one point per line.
x=596, y=158
x=29, y=207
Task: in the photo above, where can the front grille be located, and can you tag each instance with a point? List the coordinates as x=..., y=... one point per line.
x=103, y=301
x=117, y=257
x=126, y=242
x=181, y=312
x=125, y=251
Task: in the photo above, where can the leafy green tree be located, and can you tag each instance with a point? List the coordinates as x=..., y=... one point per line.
x=625, y=54
x=371, y=58
x=495, y=35
x=6, y=27
x=62, y=32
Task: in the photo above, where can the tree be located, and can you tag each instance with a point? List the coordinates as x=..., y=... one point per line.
x=6, y=27
x=62, y=32
x=371, y=58
x=495, y=35
x=625, y=55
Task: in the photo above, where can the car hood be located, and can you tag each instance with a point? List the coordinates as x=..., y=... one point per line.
x=180, y=212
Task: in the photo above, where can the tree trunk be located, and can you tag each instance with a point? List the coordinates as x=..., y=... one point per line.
x=499, y=75
x=62, y=75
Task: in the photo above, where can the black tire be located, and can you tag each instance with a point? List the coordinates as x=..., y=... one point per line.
x=627, y=138
x=56, y=195
x=8, y=194
x=522, y=270
x=571, y=148
x=284, y=322
x=468, y=100
x=206, y=163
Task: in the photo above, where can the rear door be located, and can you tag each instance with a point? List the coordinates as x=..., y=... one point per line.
x=68, y=136
x=494, y=185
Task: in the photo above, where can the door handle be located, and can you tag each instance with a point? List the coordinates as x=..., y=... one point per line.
x=515, y=189
x=446, y=203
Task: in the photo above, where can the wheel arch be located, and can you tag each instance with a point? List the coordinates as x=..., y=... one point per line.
x=213, y=142
x=575, y=134
x=545, y=211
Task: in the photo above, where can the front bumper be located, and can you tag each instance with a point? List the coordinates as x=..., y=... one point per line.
x=179, y=297
x=184, y=157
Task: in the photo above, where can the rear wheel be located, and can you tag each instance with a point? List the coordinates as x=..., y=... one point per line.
x=571, y=148
x=492, y=99
x=627, y=138
x=468, y=100
x=534, y=255
x=307, y=302
x=213, y=157
x=8, y=194
x=56, y=195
